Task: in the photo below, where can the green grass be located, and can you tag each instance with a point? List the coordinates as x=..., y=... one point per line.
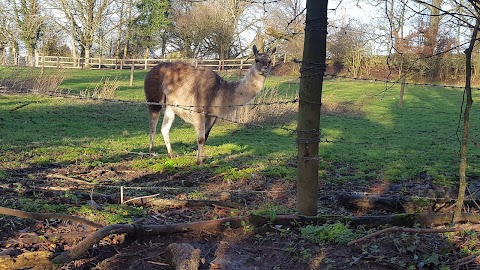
x=365, y=136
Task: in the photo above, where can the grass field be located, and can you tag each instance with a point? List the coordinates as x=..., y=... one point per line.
x=365, y=136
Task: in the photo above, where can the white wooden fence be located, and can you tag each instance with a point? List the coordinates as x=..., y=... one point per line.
x=112, y=63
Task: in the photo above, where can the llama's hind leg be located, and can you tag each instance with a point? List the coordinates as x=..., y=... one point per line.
x=168, y=118
x=154, y=114
x=201, y=136
x=209, y=122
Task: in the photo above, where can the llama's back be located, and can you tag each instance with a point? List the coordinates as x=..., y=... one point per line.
x=178, y=83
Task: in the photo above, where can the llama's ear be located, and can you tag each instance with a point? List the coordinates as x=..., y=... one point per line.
x=272, y=51
x=255, y=51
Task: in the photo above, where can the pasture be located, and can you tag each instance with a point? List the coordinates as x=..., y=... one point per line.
x=56, y=150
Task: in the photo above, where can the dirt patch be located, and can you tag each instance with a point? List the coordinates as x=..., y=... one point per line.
x=247, y=247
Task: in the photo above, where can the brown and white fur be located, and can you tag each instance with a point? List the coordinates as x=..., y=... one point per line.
x=198, y=96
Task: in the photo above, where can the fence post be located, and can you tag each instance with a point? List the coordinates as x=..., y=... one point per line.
x=310, y=93
x=58, y=61
x=131, y=73
x=402, y=92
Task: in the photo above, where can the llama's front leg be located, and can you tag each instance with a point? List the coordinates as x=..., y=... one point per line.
x=168, y=118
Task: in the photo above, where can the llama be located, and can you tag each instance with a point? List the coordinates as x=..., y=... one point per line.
x=199, y=96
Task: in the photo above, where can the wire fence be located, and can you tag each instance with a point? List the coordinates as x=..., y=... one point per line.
x=194, y=108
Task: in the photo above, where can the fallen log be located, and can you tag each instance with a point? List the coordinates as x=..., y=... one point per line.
x=142, y=231
x=354, y=201
x=136, y=230
x=397, y=204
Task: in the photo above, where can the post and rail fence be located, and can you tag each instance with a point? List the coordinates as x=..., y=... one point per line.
x=63, y=62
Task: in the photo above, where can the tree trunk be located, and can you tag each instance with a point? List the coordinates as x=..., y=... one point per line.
x=462, y=185
x=431, y=35
x=127, y=32
x=87, y=57
x=119, y=33
x=308, y=133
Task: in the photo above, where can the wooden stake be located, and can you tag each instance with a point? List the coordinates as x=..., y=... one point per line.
x=311, y=80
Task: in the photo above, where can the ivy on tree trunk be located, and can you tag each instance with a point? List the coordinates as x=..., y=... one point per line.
x=462, y=186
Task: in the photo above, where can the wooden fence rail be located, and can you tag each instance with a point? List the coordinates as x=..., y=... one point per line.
x=112, y=63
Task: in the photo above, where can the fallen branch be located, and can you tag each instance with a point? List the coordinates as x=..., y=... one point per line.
x=36, y=260
x=142, y=231
x=466, y=260
x=74, y=180
x=42, y=216
x=475, y=227
x=35, y=239
x=138, y=230
x=150, y=201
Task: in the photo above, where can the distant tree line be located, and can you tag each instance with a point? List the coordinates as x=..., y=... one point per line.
x=423, y=40
x=218, y=29
x=402, y=37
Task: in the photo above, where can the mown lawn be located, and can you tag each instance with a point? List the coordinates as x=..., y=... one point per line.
x=365, y=136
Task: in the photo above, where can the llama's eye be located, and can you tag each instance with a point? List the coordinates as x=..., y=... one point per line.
x=256, y=60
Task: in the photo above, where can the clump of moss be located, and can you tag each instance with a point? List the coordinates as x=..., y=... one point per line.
x=336, y=233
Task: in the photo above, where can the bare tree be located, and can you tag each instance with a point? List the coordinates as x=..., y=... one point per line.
x=7, y=32
x=84, y=18
x=284, y=23
x=208, y=28
x=30, y=22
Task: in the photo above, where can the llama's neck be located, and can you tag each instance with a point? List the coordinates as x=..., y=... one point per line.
x=250, y=86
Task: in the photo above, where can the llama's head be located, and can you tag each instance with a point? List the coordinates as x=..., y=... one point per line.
x=263, y=60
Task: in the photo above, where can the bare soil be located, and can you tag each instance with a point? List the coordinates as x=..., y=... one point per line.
x=267, y=247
